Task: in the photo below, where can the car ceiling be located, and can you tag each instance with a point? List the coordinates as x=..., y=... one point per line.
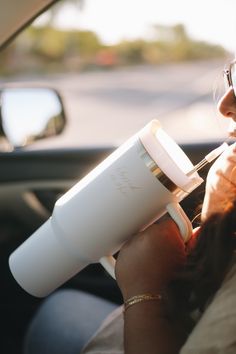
x=15, y=15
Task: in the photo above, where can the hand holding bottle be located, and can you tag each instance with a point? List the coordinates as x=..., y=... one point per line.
x=150, y=259
x=220, y=183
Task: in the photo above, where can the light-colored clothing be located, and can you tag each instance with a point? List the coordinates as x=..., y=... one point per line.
x=109, y=337
x=215, y=332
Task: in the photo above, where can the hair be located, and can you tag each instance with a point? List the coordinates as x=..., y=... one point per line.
x=208, y=262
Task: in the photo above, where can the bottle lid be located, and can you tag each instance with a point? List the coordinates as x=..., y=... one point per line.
x=169, y=157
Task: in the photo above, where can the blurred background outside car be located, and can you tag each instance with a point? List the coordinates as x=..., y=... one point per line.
x=119, y=64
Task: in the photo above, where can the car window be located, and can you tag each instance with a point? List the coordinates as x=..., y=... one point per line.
x=120, y=64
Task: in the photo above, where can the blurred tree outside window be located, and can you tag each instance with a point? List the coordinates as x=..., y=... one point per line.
x=46, y=49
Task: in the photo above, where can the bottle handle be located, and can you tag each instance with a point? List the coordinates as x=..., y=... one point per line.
x=182, y=221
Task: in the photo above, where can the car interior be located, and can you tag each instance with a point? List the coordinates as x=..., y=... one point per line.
x=33, y=176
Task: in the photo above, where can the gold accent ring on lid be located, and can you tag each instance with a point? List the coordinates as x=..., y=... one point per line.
x=159, y=174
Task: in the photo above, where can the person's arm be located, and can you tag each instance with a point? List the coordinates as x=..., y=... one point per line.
x=148, y=329
x=146, y=264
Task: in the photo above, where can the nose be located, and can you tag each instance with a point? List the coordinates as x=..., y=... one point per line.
x=227, y=104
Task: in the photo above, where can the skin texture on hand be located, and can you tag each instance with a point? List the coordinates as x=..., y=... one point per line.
x=150, y=259
x=220, y=183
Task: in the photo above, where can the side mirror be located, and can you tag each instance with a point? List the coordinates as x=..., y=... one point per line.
x=28, y=114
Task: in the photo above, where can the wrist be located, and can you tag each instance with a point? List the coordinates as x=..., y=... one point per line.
x=145, y=304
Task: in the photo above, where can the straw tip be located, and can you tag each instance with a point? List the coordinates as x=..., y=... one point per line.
x=216, y=152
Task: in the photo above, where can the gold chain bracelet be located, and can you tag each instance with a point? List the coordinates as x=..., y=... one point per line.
x=141, y=298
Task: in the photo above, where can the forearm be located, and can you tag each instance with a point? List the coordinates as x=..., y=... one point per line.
x=145, y=266
x=148, y=329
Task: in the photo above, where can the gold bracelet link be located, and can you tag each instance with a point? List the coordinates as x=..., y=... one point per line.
x=141, y=298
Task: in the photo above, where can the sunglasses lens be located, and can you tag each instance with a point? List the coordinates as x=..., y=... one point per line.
x=233, y=76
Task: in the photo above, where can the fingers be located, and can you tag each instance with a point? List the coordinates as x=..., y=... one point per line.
x=221, y=183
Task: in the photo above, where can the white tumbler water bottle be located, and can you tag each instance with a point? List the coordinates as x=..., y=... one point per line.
x=139, y=182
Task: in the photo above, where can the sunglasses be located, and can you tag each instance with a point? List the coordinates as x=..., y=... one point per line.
x=230, y=76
